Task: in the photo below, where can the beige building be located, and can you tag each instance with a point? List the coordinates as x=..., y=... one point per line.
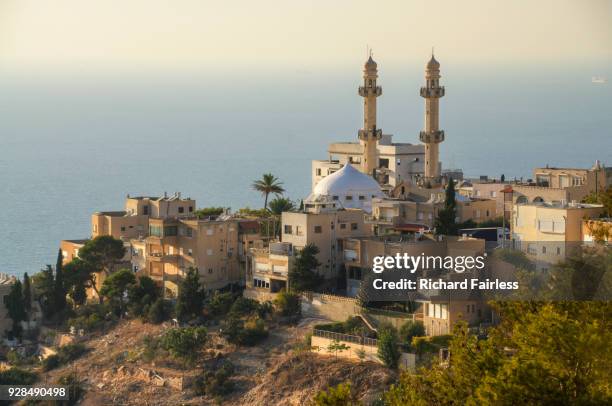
x=548, y=231
x=438, y=312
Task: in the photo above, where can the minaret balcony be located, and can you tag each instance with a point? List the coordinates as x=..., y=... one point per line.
x=432, y=92
x=366, y=91
x=370, y=134
x=431, y=137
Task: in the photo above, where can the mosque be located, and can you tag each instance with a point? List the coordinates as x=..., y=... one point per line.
x=374, y=166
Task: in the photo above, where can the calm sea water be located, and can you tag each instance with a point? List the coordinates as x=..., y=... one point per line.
x=69, y=147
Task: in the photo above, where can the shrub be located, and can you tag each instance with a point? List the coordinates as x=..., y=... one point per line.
x=388, y=348
x=245, y=333
x=183, y=343
x=75, y=388
x=158, y=312
x=220, y=304
x=216, y=383
x=17, y=376
x=51, y=362
x=411, y=329
x=340, y=395
x=288, y=303
x=244, y=307
x=65, y=354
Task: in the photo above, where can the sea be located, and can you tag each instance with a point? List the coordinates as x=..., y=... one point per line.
x=71, y=145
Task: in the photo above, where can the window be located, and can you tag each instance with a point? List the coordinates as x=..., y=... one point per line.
x=335, y=197
x=181, y=209
x=145, y=210
x=318, y=171
x=190, y=252
x=354, y=226
x=209, y=231
x=488, y=213
x=210, y=270
x=342, y=226
x=189, y=232
x=420, y=215
x=493, y=193
x=170, y=230
x=383, y=163
x=349, y=197
x=558, y=250
x=190, y=209
x=209, y=252
x=318, y=229
x=122, y=228
x=361, y=197
x=543, y=249
x=288, y=229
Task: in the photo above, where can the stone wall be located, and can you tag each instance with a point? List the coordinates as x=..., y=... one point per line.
x=335, y=308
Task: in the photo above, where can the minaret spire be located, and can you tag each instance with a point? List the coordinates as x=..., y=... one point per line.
x=369, y=134
x=431, y=135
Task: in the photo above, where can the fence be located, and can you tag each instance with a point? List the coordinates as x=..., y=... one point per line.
x=371, y=342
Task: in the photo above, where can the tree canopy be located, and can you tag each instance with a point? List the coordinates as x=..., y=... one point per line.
x=268, y=184
x=303, y=275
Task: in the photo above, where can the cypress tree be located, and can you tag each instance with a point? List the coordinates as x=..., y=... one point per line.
x=59, y=291
x=27, y=295
x=445, y=221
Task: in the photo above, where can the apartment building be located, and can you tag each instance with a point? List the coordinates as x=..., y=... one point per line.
x=548, y=231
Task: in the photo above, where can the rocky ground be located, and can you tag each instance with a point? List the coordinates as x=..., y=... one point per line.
x=274, y=372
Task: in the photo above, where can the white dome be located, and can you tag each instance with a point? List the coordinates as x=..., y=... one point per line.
x=349, y=187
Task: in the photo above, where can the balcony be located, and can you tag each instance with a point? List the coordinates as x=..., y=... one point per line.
x=391, y=221
x=432, y=137
x=370, y=91
x=432, y=92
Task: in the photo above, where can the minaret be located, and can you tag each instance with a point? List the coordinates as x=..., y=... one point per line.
x=369, y=134
x=432, y=136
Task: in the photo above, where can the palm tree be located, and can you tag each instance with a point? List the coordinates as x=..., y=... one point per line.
x=268, y=184
x=280, y=204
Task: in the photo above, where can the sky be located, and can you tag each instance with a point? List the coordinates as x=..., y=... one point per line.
x=69, y=36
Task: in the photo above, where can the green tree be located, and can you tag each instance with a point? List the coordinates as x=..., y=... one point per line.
x=142, y=295
x=184, y=343
x=388, y=350
x=79, y=275
x=27, y=295
x=303, y=275
x=158, y=312
x=189, y=303
x=445, y=221
x=15, y=307
x=412, y=328
x=268, y=184
x=336, y=346
x=103, y=252
x=44, y=289
x=339, y=395
x=277, y=206
x=288, y=303
x=602, y=197
x=59, y=291
x=209, y=212
x=116, y=286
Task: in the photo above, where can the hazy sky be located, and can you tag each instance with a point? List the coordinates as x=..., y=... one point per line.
x=82, y=35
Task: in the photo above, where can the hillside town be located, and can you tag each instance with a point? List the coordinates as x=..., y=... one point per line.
x=293, y=274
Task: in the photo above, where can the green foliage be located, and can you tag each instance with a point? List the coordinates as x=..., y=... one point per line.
x=142, y=295
x=445, y=222
x=209, y=212
x=541, y=353
x=410, y=329
x=388, y=350
x=158, y=312
x=288, y=303
x=43, y=284
x=220, y=303
x=103, y=253
x=189, y=303
x=116, y=286
x=15, y=307
x=268, y=184
x=303, y=275
x=243, y=307
x=27, y=294
x=339, y=395
x=184, y=343
x=216, y=382
x=352, y=326
x=59, y=290
x=281, y=204
x=247, y=333
x=17, y=376
x=79, y=275
x=257, y=213
x=336, y=346
x=602, y=197
x=65, y=354
x=92, y=317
